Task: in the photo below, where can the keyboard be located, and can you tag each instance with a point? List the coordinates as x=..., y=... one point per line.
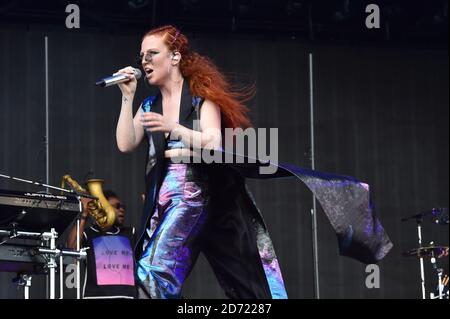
x=21, y=259
x=36, y=212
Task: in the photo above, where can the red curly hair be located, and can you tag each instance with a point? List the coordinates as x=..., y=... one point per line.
x=205, y=80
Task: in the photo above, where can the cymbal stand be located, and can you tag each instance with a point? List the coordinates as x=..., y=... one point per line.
x=422, y=269
x=439, y=272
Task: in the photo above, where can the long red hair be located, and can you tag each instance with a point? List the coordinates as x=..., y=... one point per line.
x=205, y=80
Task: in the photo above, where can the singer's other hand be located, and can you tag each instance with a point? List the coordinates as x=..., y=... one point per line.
x=128, y=88
x=155, y=122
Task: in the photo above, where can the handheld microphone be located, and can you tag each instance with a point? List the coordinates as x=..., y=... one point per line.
x=117, y=78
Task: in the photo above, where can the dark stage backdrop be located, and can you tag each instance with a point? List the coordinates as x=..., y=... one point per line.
x=381, y=115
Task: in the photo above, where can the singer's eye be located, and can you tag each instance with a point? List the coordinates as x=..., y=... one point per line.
x=148, y=57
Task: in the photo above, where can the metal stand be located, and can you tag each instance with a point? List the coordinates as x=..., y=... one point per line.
x=52, y=253
x=55, y=253
x=439, y=272
x=24, y=280
x=422, y=269
x=315, y=246
x=440, y=216
x=78, y=271
x=51, y=265
x=61, y=277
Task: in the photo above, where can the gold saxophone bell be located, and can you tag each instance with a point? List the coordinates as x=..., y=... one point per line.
x=100, y=209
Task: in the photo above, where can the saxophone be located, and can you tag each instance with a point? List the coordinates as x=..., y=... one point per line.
x=100, y=209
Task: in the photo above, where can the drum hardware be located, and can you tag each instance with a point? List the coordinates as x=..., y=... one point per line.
x=440, y=217
x=430, y=251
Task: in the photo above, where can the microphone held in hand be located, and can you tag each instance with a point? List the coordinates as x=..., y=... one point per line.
x=117, y=78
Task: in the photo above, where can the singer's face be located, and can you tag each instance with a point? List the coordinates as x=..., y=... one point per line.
x=155, y=59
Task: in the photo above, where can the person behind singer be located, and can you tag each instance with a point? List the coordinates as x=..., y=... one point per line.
x=192, y=208
x=110, y=264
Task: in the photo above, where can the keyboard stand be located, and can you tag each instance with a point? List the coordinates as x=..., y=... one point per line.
x=50, y=253
x=24, y=280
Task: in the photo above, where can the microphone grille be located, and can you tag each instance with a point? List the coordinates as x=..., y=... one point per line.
x=137, y=73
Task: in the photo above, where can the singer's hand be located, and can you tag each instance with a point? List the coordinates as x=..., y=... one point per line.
x=128, y=88
x=155, y=122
